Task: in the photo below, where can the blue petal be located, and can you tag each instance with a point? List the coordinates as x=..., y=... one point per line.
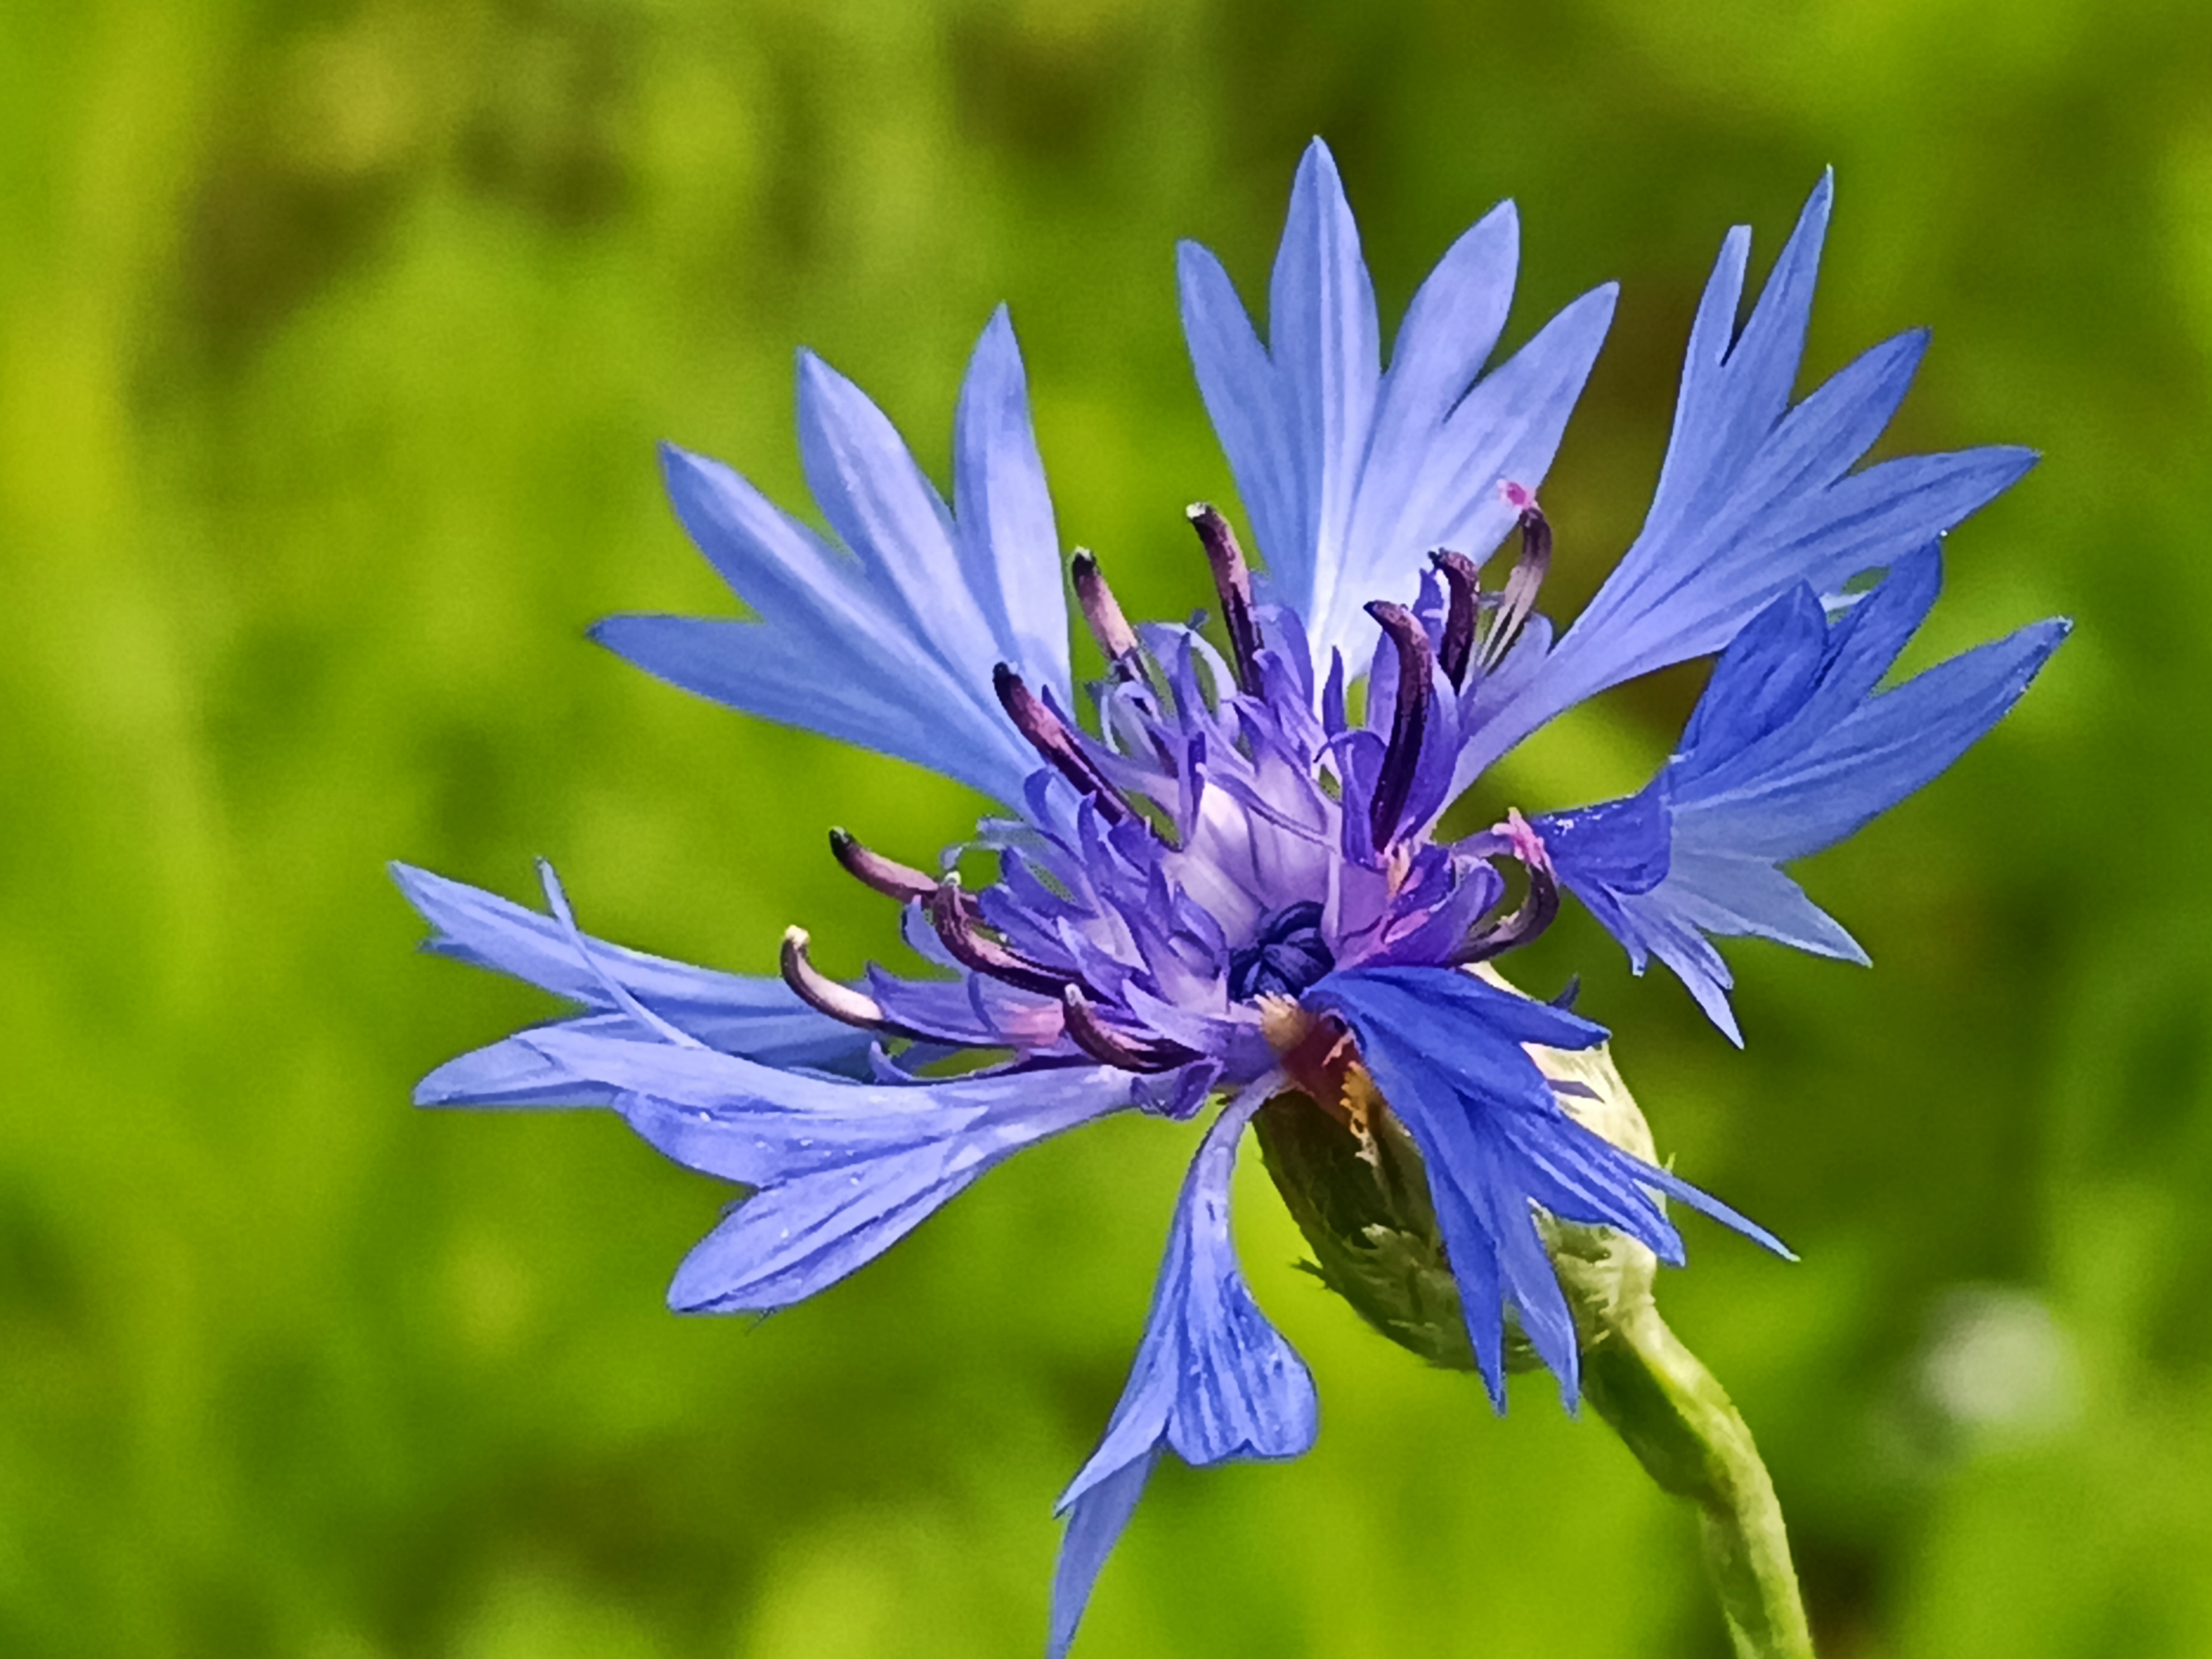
x=1237, y=381
x=1325, y=345
x=882, y=507
x=1009, y=544
x=909, y=710
x=1446, y=1050
x=1444, y=491
x=1213, y=1379
x=841, y=1169
x=756, y=1018
x=888, y=641
x=1449, y=330
x=1095, y=1524
x=512, y=1073
x=1350, y=475
x=1755, y=498
x=1789, y=751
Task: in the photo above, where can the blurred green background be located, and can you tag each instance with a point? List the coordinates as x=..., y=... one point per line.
x=334, y=340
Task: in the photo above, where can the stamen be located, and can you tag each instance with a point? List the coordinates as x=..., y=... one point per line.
x=824, y=994
x=1049, y=736
x=1519, y=599
x=955, y=922
x=1102, y=612
x=1538, y=911
x=1232, y=579
x=1408, y=720
x=1111, y=1048
x=886, y=876
x=1459, y=579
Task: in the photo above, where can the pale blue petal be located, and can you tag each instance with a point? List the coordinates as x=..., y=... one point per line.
x=1447, y=336
x=1213, y=1379
x=889, y=515
x=1351, y=476
x=1238, y=384
x=1096, y=1521
x=1789, y=750
x=831, y=652
x=785, y=677
x=1326, y=345
x=756, y=1018
x=843, y=1170
x=887, y=641
x=1442, y=490
x=1832, y=781
x=1731, y=894
x=1505, y=430
x=511, y=1073
x=1755, y=498
x=1009, y=546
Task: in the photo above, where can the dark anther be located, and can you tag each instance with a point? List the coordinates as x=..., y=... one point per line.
x=1538, y=909
x=1232, y=578
x=822, y=993
x=1519, y=598
x=1460, y=580
x=886, y=876
x=1111, y=1048
x=1408, y=720
x=1536, y=913
x=1102, y=611
x=955, y=922
x=1049, y=736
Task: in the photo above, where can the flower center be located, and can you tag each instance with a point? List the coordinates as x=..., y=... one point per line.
x=1288, y=955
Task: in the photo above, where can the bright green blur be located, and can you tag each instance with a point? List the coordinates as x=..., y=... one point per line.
x=334, y=344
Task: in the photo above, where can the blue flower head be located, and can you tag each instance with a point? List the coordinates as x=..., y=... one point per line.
x=1218, y=883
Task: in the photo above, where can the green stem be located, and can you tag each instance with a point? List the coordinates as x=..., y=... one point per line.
x=1683, y=1428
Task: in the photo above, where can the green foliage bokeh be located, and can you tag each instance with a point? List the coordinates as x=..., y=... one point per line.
x=335, y=339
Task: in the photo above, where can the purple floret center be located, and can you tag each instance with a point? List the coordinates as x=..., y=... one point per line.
x=1220, y=844
x=1289, y=954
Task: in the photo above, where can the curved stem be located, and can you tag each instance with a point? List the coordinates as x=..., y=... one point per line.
x=1679, y=1423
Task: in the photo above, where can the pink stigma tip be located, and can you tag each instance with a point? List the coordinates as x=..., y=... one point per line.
x=1527, y=845
x=1519, y=497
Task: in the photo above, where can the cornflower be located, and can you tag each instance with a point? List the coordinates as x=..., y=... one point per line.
x=1229, y=890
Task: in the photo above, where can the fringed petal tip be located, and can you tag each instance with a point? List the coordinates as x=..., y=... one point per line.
x=1351, y=472
x=1791, y=748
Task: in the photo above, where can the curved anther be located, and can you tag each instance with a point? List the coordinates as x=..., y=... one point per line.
x=1538, y=909
x=1232, y=579
x=1464, y=587
x=1519, y=597
x=1409, y=718
x=886, y=876
x=824, y=994
x=1049, y=736
x=1111, y=1048
x=951, y=914
x=1102, y=611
